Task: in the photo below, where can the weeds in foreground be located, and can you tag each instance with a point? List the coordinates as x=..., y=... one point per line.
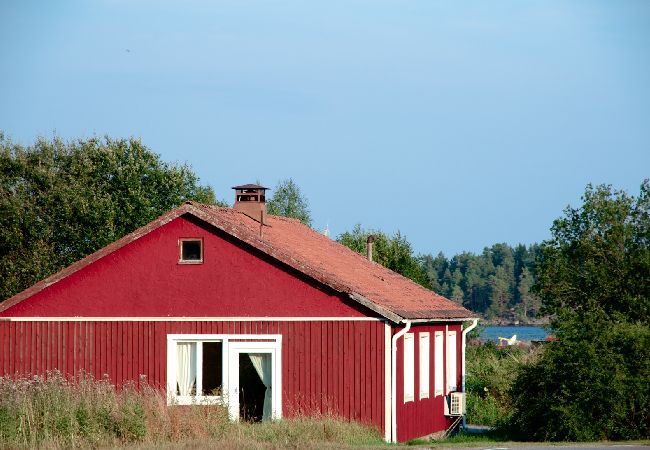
x=491, y=372
x=54, y=412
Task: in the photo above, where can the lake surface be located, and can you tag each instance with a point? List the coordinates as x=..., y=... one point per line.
x=524, y=333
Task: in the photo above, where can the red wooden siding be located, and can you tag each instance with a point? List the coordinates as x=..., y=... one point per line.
x=327, y=366
x=144, y=279
x=423, y=417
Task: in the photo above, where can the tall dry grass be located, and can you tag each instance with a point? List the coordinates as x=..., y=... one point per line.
x=54, y=412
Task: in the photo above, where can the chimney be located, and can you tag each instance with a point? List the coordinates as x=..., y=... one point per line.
x=251, y=200
x=371, y=239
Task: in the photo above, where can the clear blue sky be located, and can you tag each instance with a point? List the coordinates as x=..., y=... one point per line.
x=460, y=123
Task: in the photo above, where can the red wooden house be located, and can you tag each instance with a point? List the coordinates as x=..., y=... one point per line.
x=214, y=304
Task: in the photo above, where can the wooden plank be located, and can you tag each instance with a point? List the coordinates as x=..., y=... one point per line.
x=313, y=365
x=32, y=348
x=358, y=366
x=116, y=348
x=323, y=367
x=301, y=358
x=151, y=352
x=159, y=341
x=330, y=367
x=106, y=346
x=339, y=367
x=348, y=375
x=63, y=348
x=130, y=354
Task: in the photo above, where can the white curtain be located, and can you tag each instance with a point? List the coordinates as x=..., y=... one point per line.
x=185, y=366
x=262, y=364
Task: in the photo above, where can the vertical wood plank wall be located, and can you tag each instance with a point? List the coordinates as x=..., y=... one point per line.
x=422, y=417
x=327, y=366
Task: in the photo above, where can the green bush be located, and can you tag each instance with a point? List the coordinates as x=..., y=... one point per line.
x=490, y=373
x=594, y=280
x=590, y=385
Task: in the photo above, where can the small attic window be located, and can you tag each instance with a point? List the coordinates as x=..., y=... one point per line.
x=191, y=251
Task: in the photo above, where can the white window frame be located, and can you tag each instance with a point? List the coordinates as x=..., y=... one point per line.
x=438, y=363
x=409, y=367
x=425, y=349
x=242, y=343
x=452, y=367
x=180, y=251
x=271, y=348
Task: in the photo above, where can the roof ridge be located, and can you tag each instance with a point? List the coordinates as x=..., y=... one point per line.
x=296, y=245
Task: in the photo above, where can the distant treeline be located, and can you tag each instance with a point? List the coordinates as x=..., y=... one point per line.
x=497, y=283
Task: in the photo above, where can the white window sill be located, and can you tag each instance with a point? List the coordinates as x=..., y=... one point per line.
x=195, y=400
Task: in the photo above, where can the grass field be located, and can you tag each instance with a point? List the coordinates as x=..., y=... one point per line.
x=53, y=412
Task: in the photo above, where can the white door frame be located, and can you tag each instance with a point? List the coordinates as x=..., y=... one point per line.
x=233, y=346
x=237, y=348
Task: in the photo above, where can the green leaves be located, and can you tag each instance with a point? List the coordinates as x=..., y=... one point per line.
x=594, y=277
x=60, y=201
x=288, y=201
x=599, y=256
x=393, y=252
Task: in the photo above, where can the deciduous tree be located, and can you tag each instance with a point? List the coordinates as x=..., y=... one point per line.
x=393, y=252
x=594, y=278
x=60, y=201
x=288, y=201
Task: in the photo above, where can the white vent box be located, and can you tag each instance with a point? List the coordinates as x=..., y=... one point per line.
x=455, y=404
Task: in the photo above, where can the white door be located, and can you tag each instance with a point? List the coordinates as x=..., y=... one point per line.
x=265, y=358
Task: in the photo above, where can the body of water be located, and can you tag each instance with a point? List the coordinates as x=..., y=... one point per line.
x=524, y=333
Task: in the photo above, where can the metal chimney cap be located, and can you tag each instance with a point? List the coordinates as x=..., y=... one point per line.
x=249, y=186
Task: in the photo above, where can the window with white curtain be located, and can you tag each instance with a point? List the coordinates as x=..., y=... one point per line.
x=409, y=368
x=198, y=370
x=424, y=365
x=452, y=384
x=438, y=363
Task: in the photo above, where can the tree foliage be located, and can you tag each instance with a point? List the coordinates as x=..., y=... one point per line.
x=599, y=256
x=60, y=201
x=594, y=278
x=497, y=283
x=288, y=201
x=393, y=252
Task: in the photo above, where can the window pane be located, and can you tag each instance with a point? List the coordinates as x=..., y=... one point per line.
x=191, y=250
x=424, y=365
x=452, y=384
x=409, y=367
x=438, y=363
x=212, y=368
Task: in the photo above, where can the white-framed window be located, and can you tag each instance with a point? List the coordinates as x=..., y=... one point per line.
x=438, y=363
x=190, y=251
x=409, y=368
x=424, y=365
x=205, y=369
x=452, y=384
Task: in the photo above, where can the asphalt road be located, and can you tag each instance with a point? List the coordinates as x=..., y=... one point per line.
x=571, y=446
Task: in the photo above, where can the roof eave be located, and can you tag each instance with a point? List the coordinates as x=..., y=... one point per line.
x=376, y=308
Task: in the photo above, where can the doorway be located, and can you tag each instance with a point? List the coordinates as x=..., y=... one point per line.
x=254, y=390
x=255, y=383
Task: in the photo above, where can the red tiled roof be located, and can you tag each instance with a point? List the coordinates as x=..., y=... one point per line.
x=389, y=294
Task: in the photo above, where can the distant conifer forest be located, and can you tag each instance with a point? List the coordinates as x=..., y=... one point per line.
x=498, y=283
